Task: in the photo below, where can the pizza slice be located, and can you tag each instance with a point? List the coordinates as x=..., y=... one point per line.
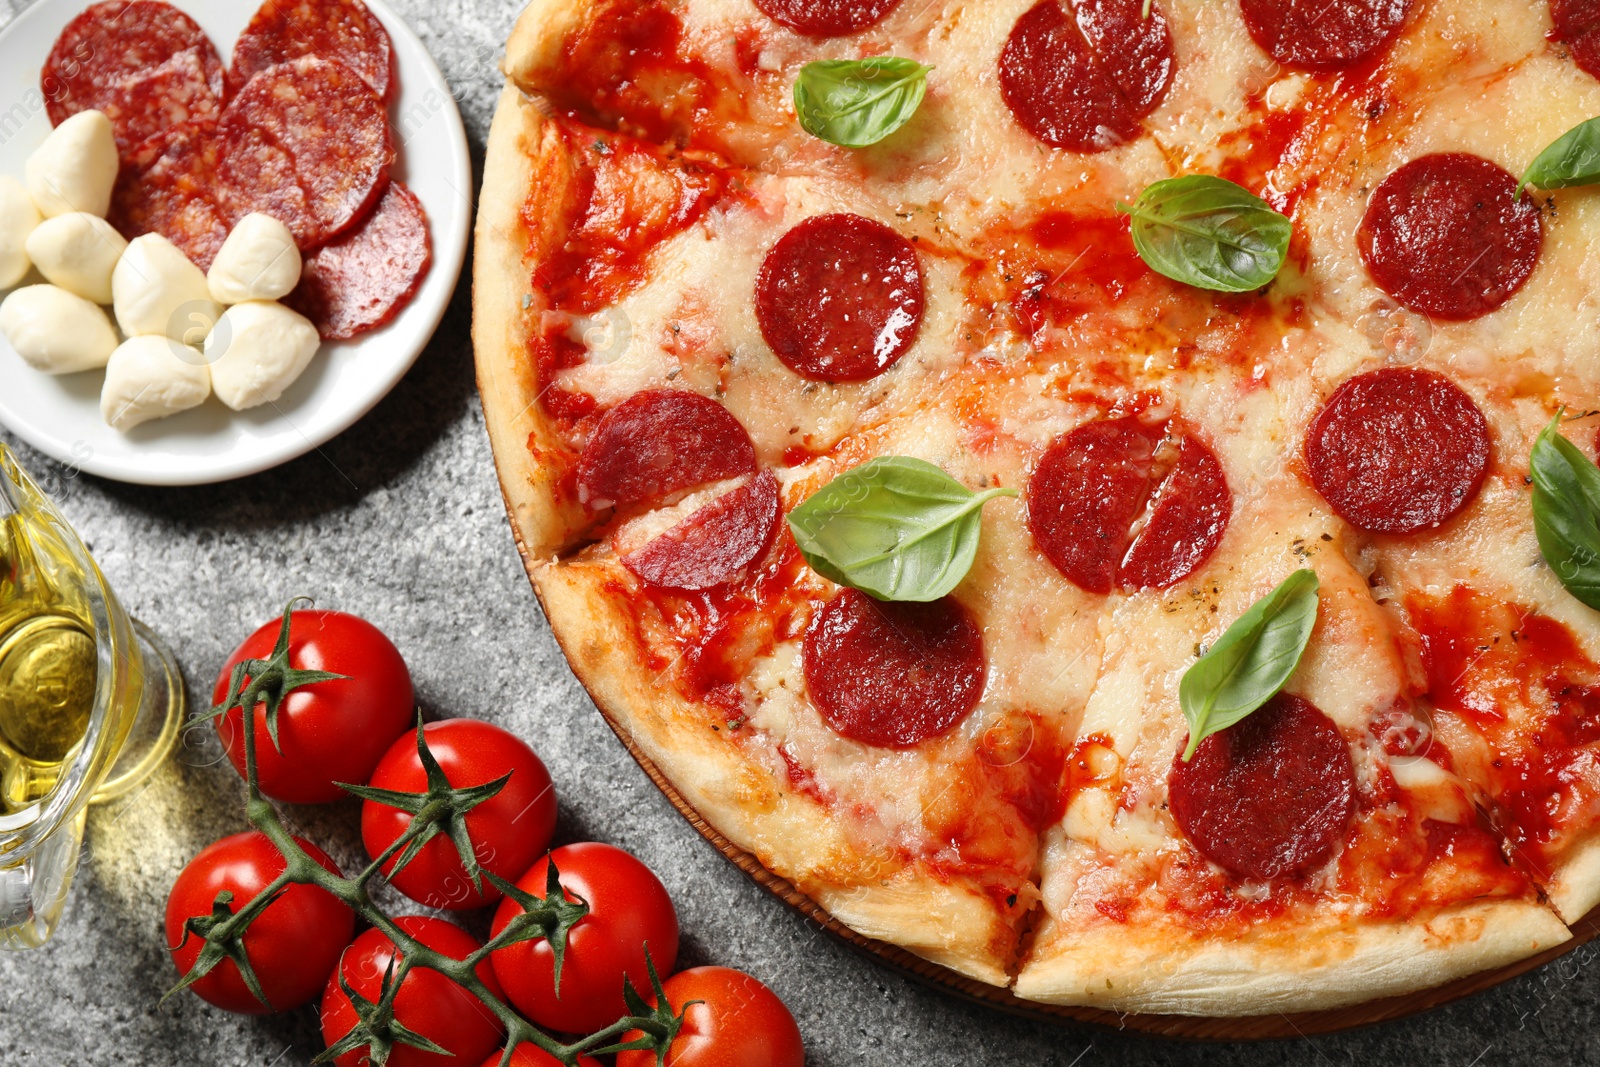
x=893, y=761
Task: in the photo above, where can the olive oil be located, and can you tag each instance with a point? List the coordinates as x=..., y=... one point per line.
x=48, y=657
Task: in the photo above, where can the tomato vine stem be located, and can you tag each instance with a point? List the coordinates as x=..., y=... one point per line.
x=440, y=809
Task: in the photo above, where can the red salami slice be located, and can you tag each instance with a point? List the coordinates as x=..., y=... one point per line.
x=716, y=543
x=362, y=280
x=893, y=675
x=1083, y=74
x=1268, y=796
x=307, y=143
x=1323, y=35
x=1398, y=450
x=839, y=298
x=144, y=64
x=827, y=18
x=345, y=30
x=154, y=101
x=1577, y=24
x=1093, y=484
x=1448, y=235
x=1188, y=517
x=658, y=442
x=166, y=186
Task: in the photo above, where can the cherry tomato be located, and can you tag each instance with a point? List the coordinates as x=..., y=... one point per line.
x=428, y=1003
x=532, y=1056
x=333, y=731
x=509, y=830
x=740, y=1023
x=628, y=910
x=293, y=945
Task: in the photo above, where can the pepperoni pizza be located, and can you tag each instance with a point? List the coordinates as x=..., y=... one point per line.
x=702, y=329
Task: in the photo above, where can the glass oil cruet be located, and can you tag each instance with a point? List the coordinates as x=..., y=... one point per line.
x=90, y=704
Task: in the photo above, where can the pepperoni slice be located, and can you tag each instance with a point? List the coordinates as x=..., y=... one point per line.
x=151, y=102
x=362, y=280
x=716, y=543
x=1577, y=24
x=345, y=30
x=166, y=187
x=892, y=674
x=1083, y=74
x=839, y=298
x=827, y=18
x=1268, y=796
x=1449, y=236
x=308, y=143
x=1093, y=484
x=1321, y=35
x=1188, y=517
x=1398, y=450
x=659, y=442
x=123, y=59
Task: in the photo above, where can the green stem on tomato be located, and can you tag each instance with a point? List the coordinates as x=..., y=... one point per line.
x=301, y=869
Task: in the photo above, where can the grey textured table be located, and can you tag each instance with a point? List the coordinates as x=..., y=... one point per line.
x=400, y=520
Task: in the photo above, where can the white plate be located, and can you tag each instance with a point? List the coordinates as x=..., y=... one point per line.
x=61, y=416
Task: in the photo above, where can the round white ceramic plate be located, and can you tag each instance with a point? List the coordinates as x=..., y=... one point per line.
x=60, y=416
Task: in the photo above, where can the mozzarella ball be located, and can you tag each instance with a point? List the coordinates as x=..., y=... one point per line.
x=56, y=331
x=78, y=252
x=75, y=168
x=151, y=378
x=258, y=261
x=18, y=218
x=257, y=351
x=157, y=290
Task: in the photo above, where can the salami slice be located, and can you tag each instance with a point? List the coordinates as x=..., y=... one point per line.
x=155, y=100
x=1577, y=25
x=166, y=186
x=1268, y=796
x=144, y=64
x=307, y=143
x=362, y=280
x=827, y=18
x=1188, y=516
x=658, y=442
x=345, y=30
x=1322, y=35
x=1083, y=74
x=1448, y=235
x=1093, y=484
x=1398, y=450
x=839, y=298
x=891, y=674
x=716, y=543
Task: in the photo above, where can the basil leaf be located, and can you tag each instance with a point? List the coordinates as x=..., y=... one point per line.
x=858, y=102
x=895, y=528
x=1251, y=661
x=1566, y=512
x=1209, y=233
x=1572, y=159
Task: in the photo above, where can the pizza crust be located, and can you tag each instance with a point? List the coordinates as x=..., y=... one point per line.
x=537, y=38
x=1269, y=970
x=526, y=157
x=1575, y=887
x=947, y=921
